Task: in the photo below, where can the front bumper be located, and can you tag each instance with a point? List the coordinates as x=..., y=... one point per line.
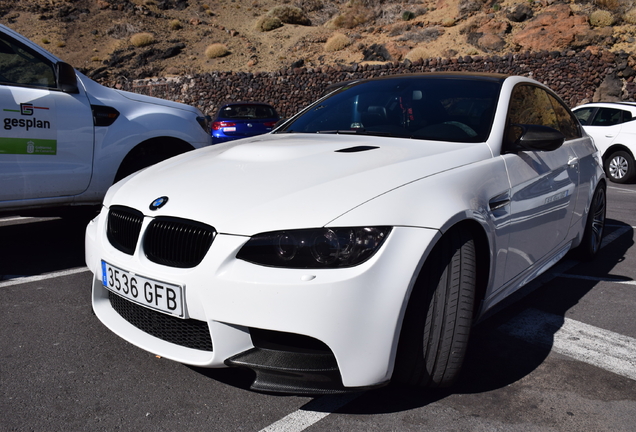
x=353, y=315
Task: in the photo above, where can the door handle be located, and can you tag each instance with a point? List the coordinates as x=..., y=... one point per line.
x=573, y=161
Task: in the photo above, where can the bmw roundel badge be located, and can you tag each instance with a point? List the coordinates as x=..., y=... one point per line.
x=158, y=203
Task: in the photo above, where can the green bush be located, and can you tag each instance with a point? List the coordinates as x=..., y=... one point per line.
x=407, y=15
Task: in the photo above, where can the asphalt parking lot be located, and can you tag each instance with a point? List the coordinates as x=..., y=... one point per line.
x=562, y=358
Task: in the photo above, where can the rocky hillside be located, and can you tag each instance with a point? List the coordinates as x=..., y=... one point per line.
x=121, y=40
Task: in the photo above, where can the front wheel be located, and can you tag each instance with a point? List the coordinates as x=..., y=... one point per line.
x=439, y=315
x=594, y=226
x=619, y=167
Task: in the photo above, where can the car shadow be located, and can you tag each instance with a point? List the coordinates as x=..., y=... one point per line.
x=41, y=245
x=494, y=359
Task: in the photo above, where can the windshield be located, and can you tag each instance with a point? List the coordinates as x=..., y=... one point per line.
x=456, y=109
x=247, y=112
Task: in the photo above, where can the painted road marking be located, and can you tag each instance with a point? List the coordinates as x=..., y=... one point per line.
x=28, y=279
x=621, y=189
x=311, y=413
x=602, y=348
x=599, y=279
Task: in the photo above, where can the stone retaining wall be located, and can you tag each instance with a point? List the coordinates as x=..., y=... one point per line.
x=577, y=77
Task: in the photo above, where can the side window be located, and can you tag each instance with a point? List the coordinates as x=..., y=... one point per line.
x=529, y=105
x=584, y=115
x=567, y=122
x=609, y=117
x=21, y=66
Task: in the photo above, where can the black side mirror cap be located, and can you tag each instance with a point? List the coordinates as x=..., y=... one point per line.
x=535, y=137
x=66, y=78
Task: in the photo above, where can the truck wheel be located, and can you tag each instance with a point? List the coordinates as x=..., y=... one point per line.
x=439, y=315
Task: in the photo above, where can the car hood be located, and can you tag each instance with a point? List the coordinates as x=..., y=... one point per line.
x=276, y=181
x=108, y=96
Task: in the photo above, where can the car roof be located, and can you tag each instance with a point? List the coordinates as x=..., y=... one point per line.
x=630, y=106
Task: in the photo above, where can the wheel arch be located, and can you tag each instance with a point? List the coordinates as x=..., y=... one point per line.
x=149, y=152
x=483, y=254
x=613, y=149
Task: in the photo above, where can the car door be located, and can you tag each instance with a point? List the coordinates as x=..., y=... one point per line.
x=603, y=124
x=544, y=184
x=46, y=140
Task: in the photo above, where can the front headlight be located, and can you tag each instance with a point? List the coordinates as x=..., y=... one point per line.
x=314, y=248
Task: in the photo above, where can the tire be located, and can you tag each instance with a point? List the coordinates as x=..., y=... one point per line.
x=619, y=167
x=594, y=226
x=439, y=315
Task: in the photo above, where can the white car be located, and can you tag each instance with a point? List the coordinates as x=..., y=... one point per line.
x=66, y=139
x=612, y=125
x=358, y=242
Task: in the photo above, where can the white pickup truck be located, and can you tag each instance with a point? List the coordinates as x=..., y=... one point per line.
x=66, y=139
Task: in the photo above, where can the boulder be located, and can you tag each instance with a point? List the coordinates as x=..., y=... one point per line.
x=610, y=90
x=554, y=29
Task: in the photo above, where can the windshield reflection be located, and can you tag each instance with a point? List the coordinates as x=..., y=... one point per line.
x=455, y=109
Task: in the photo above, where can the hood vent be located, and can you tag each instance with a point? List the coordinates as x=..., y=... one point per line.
x=356, y=149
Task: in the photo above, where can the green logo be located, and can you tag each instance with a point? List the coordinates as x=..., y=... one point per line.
x=28, y=146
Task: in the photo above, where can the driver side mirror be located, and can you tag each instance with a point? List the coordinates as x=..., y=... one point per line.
x=66, y=78
x=535, y=137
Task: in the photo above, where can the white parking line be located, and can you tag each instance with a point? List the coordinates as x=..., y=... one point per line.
x=28, y=279
x=311, y=413
x=602, y=348
x=621, y=189
x=599, y=279
x=7, y=219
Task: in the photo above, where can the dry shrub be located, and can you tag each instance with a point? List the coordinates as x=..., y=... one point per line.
x=337, y=42
x=417, y=53
x=175, y=24
x=216, y=50
x=610, y=5
x=601, y=18
x=630, y=16
x=289, y=15
x=267, y=23
x=356, y=15
x=142, y=39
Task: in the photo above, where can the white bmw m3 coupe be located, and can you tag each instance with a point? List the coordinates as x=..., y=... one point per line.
x=358, y=242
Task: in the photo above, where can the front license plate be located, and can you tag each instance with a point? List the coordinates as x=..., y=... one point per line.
x=161, y=296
